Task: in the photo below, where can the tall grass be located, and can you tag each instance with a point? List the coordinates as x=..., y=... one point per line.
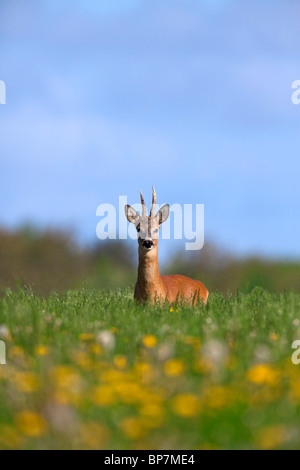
x=91, y=369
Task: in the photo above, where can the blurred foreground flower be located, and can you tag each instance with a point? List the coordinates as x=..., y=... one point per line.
x=10, y=438
x=31, y=424
x=263, y=374
x=68, y=384
x=216, y=354
x=272, y=437
x=120, y=361
x=186, y=405
x=165, y=351
x=94, y=435
x=5, y=334
x=133, y=428
x=86, y=337
x=26, y=382
x=106, y=339
x=62, y=418
x=174, y=367
x=149, y=341
x=41, y=350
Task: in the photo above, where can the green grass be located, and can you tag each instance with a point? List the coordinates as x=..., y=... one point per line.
x=218, y=376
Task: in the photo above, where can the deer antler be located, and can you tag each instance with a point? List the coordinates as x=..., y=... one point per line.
x=152, y=213
x=144, y=209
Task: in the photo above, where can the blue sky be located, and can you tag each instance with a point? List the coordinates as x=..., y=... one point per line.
x=105, y=98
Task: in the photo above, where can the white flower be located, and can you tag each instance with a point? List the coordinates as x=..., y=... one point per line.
x=4, y=332
x=216, y=352
x=107, y=339
x=62, y=419
x=262, y=353
x=165, y=351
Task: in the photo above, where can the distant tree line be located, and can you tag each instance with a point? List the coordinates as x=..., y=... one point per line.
x=51, y=261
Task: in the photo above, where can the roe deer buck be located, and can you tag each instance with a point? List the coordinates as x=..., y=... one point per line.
x=150, y=284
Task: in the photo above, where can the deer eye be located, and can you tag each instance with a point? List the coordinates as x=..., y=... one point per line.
x=156, y=230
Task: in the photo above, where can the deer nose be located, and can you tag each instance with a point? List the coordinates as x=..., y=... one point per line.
x=148, y=243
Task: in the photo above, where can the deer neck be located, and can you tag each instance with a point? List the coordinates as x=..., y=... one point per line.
x=148, y=270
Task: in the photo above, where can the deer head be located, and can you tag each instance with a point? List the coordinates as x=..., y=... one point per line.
x=147, y=226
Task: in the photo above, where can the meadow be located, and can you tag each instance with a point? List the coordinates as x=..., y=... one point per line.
x=90, y=369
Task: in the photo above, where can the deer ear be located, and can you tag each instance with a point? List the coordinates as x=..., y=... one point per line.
x=163, y=214
x=131, y=214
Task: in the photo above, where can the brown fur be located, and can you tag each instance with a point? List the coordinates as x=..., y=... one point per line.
x=150, y=285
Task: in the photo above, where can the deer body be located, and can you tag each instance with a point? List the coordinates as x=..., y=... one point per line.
x=150, y=285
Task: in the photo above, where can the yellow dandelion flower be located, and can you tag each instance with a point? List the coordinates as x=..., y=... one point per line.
x=103, y=395
x=133, y=427
x=295, y=389
x=149, y=341
x=16, y=351
x=113, y=376
x=26, y=382
x=153, y=415
x=66, y=377
x=153, y=422
x=96, y=349
x=152, y=409
x=41, y=350
x=186, y=405
x=120, y=361
x=171, y=309
x=157, y=394
x=10, y=437
x=145, y=372
x=217, y=397
x=263, y=374
x=67, y=397
x=94, y=435
x=87, y=337
x=203, y=366
x=274, y=337
x=31, y=424
x=67, y=383
x=193, y=341
x=272, y=437
x=114, y=329
x=82, y=359
x=142, y=367
x=173, y=367
x=129, y=392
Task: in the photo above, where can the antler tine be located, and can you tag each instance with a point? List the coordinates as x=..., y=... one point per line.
x=152, y=213
x=144, y=209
